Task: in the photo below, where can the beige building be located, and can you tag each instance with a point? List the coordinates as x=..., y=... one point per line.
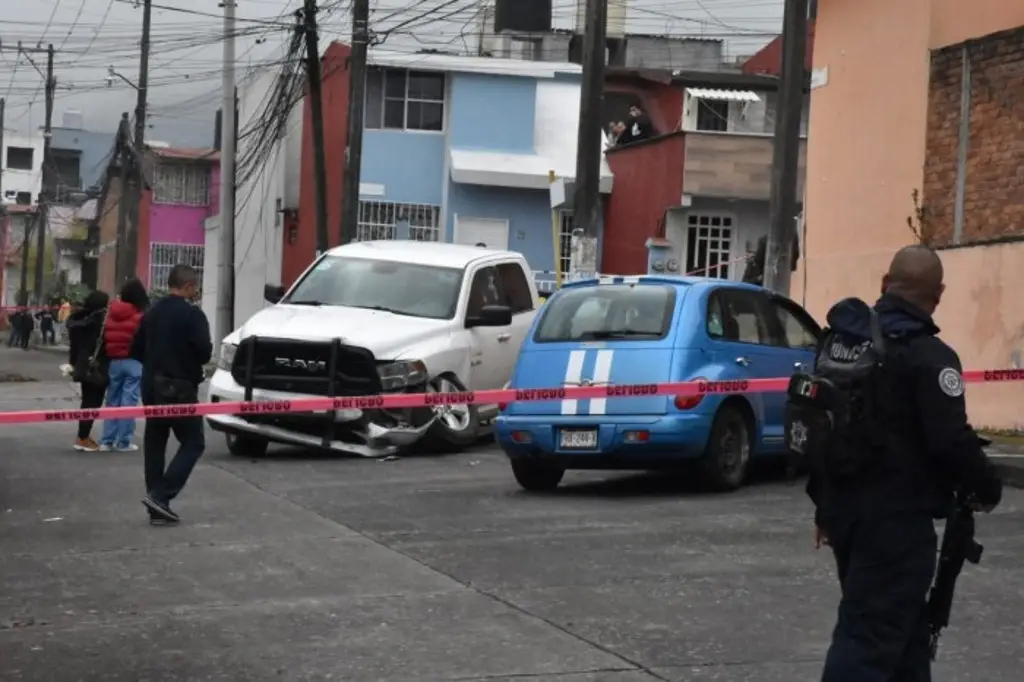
x=924, y=98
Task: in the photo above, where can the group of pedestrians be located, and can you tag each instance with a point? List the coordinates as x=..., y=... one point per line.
x=127, y=350
x=23, y=323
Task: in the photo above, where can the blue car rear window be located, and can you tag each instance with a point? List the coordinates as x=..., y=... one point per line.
x=614, y=311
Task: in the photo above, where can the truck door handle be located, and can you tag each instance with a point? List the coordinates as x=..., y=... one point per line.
x=742, y=361
x=502, y=338
x=798, y=366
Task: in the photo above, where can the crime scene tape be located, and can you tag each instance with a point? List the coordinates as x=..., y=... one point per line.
x=400, y=400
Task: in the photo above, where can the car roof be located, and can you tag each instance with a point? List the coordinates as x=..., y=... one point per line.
x=672, y=280
x=440, y=254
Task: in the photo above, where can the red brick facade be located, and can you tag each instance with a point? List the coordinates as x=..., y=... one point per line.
x=994, y=171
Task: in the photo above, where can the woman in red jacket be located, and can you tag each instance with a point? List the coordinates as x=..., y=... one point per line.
x=123, y=319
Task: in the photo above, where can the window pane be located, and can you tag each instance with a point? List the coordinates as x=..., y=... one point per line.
x=798, y=335
x=516, y=287
x=425, y=116
x=374, y=99
x=394, y=113
x=484, y=291
x=395, y=84
x=426, y=86
x=616, y=311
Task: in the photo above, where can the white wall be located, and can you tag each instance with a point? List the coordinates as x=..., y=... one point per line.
x=750, y=223
x=23, y=180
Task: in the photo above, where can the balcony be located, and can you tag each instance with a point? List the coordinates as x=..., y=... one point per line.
x=732, y=165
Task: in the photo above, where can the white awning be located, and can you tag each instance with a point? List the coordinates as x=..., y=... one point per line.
x=724, y=95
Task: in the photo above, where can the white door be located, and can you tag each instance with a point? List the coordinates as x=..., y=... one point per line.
x=491, y=232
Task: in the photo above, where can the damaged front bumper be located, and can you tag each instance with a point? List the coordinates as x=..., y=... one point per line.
x=364, y=433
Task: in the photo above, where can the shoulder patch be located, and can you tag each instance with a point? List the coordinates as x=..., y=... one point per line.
x=951, y=383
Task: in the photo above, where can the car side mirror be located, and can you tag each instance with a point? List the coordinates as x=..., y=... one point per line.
x=490, y=316
x=273, y=293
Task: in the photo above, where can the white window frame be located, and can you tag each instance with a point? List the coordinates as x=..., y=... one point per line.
x=406, y=100
x=566, y=224
x=163, y=256
x=192, y=186
x=693, y=221
x=379, y=221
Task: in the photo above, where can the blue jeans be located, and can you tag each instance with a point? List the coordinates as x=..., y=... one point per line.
x=123, y=391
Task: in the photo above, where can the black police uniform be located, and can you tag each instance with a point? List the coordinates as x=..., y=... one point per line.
x=880, y=522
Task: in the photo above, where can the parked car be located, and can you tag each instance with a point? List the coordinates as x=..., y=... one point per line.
x=650, y=330
x=378, y=317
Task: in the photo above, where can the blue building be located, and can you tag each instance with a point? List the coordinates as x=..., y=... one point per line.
x=80, y=157
x=460, y=149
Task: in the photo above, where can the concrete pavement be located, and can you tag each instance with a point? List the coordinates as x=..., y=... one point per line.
x=302, y=567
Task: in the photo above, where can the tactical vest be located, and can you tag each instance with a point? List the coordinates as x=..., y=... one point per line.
x=835, y=415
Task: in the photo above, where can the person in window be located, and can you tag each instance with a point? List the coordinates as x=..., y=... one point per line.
x=125, y=371
x=639, y=127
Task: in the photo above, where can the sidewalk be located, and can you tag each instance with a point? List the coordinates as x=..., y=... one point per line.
x=1007, y=452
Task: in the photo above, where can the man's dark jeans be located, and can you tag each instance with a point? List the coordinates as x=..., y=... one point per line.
x=885, y=569
x=163, y=485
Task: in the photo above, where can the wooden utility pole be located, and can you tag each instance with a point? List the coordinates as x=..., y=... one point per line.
x=313, y=76
x=3, y=204
x=587, y=196
x=224, y=323
x=136, y=178
x=122, y=248
x=45, y=198
x=782, y=213
x=356, y=97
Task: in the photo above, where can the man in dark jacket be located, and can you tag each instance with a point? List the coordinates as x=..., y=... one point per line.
x=173, y=343
x=879, y=521
x=46, y=320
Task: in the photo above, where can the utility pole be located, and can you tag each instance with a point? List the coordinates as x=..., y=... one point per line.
x=309, y=27
x=356, y=97
x=136, y=179
x=50, y=90
x=225, y=322
x=782, y=213
x=122, y=248
x=3, y=204
x=589, y=147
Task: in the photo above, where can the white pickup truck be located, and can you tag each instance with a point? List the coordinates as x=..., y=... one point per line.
x=378, y=317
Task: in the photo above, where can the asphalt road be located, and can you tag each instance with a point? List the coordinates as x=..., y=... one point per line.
x=303, y=567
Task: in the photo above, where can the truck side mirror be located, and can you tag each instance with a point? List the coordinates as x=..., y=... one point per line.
x=273, y=293
x=490, y=316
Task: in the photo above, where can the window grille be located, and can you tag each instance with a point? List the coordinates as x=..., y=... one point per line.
x=186, y=184
x=386, y=220
x=708, y=245
x=163, y=257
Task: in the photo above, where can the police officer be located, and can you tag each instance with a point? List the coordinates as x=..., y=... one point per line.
x=879, y=522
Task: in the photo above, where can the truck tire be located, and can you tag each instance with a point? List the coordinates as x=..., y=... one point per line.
x=246, y=446
x=456, y=426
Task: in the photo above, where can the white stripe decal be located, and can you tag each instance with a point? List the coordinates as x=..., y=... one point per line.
x=573, y=374
x=602, y=375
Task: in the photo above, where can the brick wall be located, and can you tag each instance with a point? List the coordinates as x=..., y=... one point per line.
x=994, y=172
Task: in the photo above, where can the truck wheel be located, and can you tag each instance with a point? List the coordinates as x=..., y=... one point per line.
x=727, y=456
x=536, y=476
x=247, y=446
x=455, y=427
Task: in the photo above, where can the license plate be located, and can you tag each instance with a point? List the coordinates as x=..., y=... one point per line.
x=579, y=440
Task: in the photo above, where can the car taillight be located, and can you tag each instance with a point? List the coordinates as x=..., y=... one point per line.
x=688, y=402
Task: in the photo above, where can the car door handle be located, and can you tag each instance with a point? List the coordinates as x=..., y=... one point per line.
x=502, y=338
x=798, y=366
x=742, y=362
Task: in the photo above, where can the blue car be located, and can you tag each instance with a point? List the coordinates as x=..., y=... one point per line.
x=647, y=330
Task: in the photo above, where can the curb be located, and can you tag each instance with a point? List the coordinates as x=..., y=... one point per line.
x=1013, y=475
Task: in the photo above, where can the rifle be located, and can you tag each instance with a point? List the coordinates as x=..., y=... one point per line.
x=958, y=546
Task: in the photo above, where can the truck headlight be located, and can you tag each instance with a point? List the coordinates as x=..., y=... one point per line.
x=227, y=356
x=398, y=375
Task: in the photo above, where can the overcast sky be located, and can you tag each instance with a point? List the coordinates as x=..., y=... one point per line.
x=185, y=68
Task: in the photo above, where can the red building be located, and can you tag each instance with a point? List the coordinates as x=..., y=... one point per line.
x=702, y=184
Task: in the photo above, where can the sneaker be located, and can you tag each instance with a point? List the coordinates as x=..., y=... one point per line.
x=131, y=447
x=160, y=509
x=104, y=447
x=86, y=445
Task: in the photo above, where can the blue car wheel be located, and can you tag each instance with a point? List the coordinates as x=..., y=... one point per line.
x=537, y=476
x=727, y=456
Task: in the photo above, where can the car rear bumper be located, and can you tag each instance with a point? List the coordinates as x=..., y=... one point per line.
x=354, y=432
x=667, y=439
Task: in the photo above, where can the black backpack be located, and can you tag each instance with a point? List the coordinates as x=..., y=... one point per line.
x=835, y=415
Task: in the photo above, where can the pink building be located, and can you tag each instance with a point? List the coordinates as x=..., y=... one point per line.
x=184, y=191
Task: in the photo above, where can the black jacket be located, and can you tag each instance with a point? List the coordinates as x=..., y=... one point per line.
x=932, y=448
x=173, y=341
x=84, y=328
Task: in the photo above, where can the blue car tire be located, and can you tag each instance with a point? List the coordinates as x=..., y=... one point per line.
x=727, y=454
x=537, y=476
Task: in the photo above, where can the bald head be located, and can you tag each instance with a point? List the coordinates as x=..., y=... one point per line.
x=915, y=274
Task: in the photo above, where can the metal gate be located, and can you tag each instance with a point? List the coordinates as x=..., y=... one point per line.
x=163, y=257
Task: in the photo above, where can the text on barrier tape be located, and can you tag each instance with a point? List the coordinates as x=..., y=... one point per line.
x=399, y=400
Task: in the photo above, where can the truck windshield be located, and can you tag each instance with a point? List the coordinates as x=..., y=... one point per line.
x=616, y=311
x=394, y=286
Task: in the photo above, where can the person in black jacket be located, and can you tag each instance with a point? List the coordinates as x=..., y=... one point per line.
x=85, y=327
x=173, y=343
x=879, y=520
x=46, y=328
